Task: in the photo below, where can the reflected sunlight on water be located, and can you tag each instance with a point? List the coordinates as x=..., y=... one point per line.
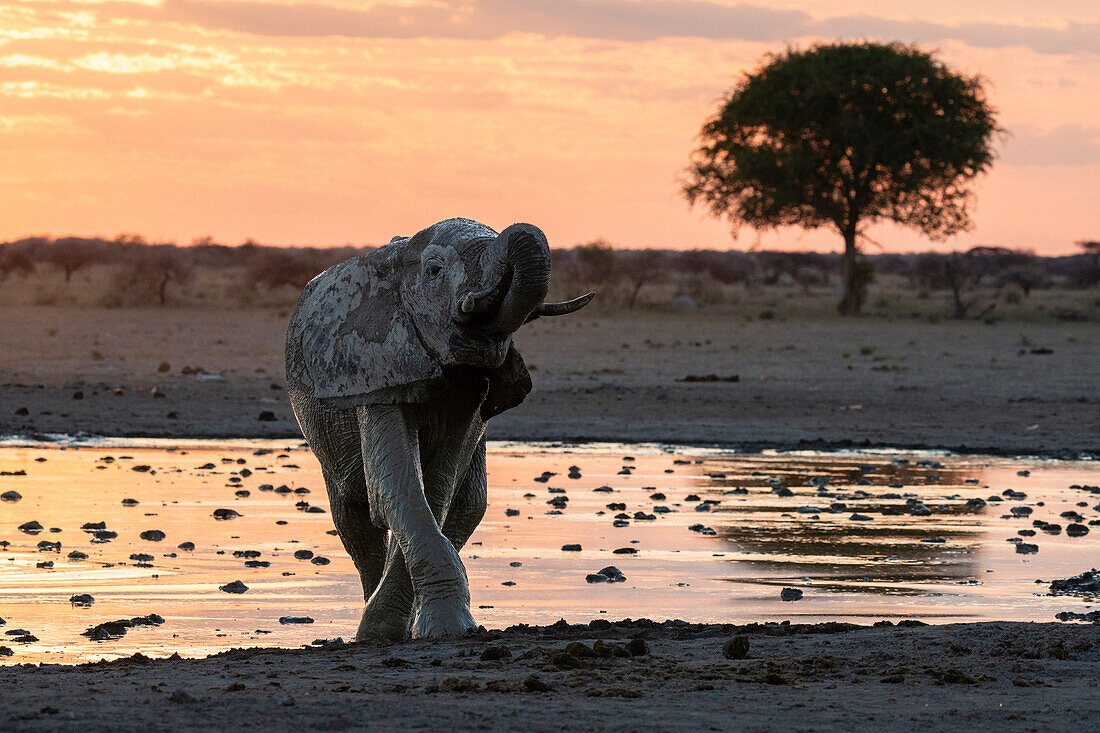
x=865, y=536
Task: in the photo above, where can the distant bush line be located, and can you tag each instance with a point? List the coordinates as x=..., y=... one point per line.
x=132, y=271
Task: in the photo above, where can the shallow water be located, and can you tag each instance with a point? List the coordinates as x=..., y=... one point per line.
x=892, y=566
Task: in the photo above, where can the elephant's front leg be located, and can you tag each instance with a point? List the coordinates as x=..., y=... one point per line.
x=395, y=487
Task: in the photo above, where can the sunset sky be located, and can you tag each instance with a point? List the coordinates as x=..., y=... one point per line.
x=343, y=121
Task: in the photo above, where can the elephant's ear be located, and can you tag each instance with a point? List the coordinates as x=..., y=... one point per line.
x=509, y=384
x=358, y=343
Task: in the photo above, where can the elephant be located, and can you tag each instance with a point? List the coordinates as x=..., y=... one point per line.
x=395, y=361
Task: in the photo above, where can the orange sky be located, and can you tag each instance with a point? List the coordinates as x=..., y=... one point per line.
x=333, y=121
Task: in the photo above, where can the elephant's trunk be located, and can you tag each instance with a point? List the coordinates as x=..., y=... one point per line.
x=522, y=271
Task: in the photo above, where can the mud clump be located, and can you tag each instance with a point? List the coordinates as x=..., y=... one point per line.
x=736, y=647
x=610, y=574
x=116, y=629
x=1085, y=584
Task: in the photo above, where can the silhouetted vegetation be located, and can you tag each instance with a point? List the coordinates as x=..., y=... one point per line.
x=983, y=282
x=844, y=135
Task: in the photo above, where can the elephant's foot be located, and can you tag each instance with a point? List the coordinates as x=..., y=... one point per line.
x=442, y=617
x=386, y=623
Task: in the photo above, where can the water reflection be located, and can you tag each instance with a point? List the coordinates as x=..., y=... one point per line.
x=864, y=536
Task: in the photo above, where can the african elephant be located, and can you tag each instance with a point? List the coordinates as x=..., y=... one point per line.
x=395, y=361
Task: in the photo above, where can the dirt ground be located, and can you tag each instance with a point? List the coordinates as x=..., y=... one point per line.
x=827, y=677
x=830, y=383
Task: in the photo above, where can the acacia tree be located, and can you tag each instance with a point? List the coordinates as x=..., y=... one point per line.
x=844, y=135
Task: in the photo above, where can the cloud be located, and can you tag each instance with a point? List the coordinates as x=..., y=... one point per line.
x=1066, y=145
x=615, y=20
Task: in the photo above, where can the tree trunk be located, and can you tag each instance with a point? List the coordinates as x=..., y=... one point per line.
x=851, y=302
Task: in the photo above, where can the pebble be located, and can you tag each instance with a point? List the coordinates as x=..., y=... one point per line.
x=791, y=594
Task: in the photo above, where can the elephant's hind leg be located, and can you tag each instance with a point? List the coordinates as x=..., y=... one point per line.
x=365, y=543
x=470, y=499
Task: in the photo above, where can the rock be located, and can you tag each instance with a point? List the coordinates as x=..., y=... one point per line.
x=496, y=653
x=182, y=697
x=286, y=620
x=570, y=548
x=164, y=367
x=1085, y=584
x=141, y=468
x=320, y=560
x=32, y=527
x=1077, y=530
x=860, y=518
x=141, y=557
x=235, y=587
x=11, y=496
x=625, y=551
x=303, y=554
x=611, y=574
x=47, y=546
x=82, y=599
x=637, y=647
x=267, y=416
x=1024, y=548
x=186, y=546
x=77, y=555
x=107, y=630
x=531, y=683
x=130, y=502
x=736, y=647
x=790, y=594
x=152, y=535
x=226, y=514
x=511, y=512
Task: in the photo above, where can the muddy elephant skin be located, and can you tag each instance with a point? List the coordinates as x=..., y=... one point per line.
x=395, y=361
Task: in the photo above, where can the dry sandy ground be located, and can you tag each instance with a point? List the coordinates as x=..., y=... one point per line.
x=1004, y=388
x=994, y=676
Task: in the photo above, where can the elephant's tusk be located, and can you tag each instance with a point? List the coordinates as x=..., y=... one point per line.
x=470, y=303
x=560, y=309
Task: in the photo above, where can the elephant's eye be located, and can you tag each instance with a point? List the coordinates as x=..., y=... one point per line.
x=432, y=270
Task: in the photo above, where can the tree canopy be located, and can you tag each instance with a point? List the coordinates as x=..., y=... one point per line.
x=844, y=135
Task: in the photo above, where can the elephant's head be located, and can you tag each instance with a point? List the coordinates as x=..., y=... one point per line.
x=468, y=289
x=382, y=328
